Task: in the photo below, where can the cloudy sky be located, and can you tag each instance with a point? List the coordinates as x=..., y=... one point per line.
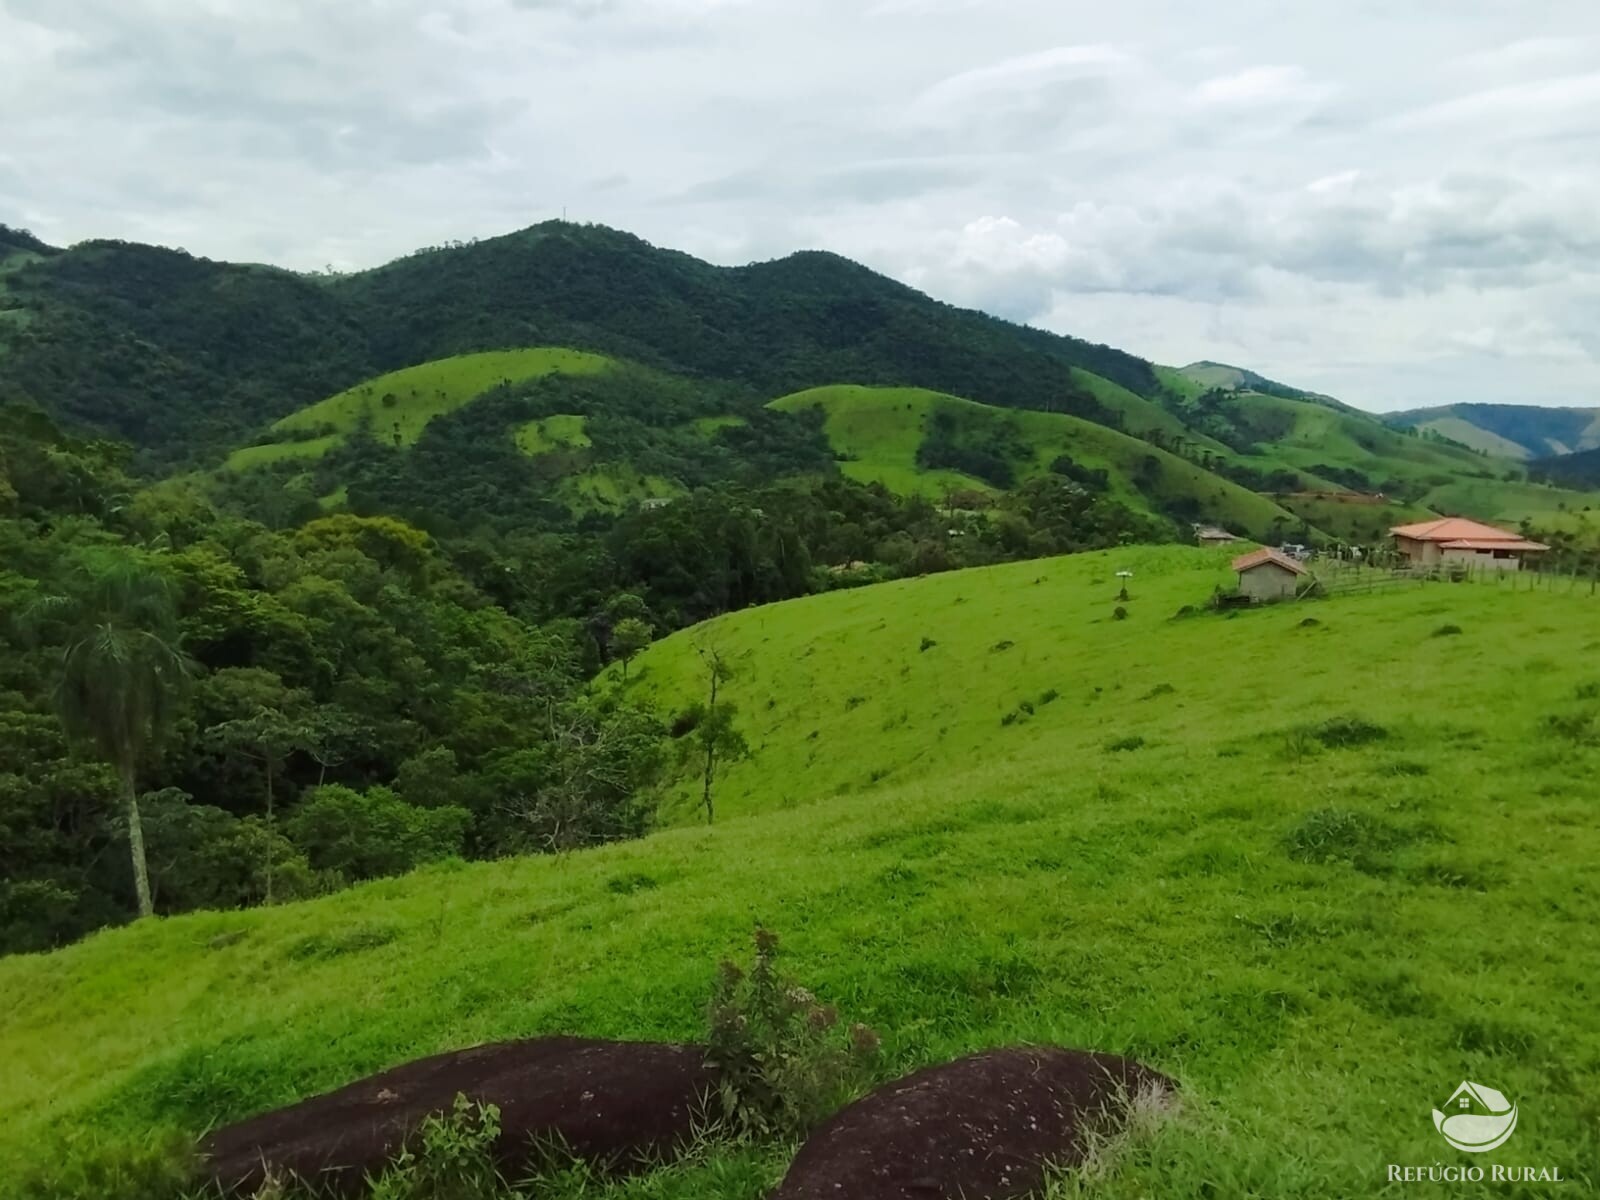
x=1395, y=202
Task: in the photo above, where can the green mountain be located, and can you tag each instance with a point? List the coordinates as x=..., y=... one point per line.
x=181, y=355
x=371, y=389
x=1514, y=431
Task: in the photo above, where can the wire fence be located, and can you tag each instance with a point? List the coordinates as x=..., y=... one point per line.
x=1333, y=577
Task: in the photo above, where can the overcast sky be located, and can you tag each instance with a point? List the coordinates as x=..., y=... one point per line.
x=1395, y=201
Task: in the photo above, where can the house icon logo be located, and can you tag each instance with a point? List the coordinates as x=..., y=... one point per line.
x=1476, y=1118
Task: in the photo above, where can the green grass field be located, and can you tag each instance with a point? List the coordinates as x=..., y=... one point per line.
x=563, y=431
x=1464, y=431
x=876, y=432
x=611, y=487
x=399, y=405
x=1319, y=862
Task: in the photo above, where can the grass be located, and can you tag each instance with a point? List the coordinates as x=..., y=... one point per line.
x=1461, y=430
x=563, y=431
x=1336, y=869
x=270, y=454
x=610, y=487
x=876, y=433
x=399, y=405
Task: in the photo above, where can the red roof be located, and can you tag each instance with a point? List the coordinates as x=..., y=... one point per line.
x=1456, y=529
x=1486, y=544
x=1260, y=558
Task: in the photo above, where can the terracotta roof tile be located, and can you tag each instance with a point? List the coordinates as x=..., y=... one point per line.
x=1258, y=558
x=1454, y=529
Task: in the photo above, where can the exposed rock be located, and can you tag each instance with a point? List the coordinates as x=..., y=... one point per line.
x=984, y=1127
x=620, y=1104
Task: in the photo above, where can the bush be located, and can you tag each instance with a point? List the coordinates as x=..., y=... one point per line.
x=364, y=835
x=1581, y=728
x=1337, y=732
x=927, y=644
x=452, y=1158
x=1122, y=745
x=1119, y=613
x=783, y=1059
x=1340, y=834
x=1447, y=631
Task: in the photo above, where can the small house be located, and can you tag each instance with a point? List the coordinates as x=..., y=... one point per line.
x=1456, y=541
x=1211, y=535
x=1268, y=574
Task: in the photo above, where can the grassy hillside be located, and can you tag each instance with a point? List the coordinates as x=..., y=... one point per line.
x=399, y=405
x=1174, y=855
x=1519, y=431
x=877, y=431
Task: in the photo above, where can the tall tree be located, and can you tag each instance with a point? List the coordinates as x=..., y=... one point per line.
x=715, y=738
x=122, y=673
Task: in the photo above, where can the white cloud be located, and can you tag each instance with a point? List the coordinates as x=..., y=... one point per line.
x=1259, y=85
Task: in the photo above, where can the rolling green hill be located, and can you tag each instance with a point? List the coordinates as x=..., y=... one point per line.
x=877, y=433
x=1515, y=431
x=1314, y=851
x=190, y=359
x=400, y=404
x=183, y=356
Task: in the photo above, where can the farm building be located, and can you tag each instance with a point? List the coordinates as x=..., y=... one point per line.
x=1268, y=575
x=1211, y=535
x=1456, y=541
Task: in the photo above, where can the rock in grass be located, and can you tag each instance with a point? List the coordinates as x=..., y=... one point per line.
x=984, y=1127
x=621, y=1105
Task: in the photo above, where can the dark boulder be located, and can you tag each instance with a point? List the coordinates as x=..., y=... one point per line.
x=623, y=1105
x=984, y=1127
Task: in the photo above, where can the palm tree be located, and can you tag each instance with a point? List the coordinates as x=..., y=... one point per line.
x=121, y=676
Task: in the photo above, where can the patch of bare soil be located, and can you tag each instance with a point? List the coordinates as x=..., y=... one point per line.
x=985, y=1127
x=621, y=1104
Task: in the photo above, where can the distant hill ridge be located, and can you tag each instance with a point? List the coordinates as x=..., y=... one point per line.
x=1517, y=431
x=191, y=360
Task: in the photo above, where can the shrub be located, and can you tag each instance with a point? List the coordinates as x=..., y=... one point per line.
x=1341, y=834
x=452, y=1158
x=783, y=1059
x=1160, y=689
x=1001, y=645
x=1338, y=732
x=1581, y=728
x=1049, y=696
x=364, y=835
x=1119, y=613
x=1122, y=745
x=1447, y=631
x=927, y=644
x=1588, y=691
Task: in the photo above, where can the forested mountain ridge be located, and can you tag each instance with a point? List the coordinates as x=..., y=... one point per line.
x=1517, y=431
x=189, y=360
x=180, y=355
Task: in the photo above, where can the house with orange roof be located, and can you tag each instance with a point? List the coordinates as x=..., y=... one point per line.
x=1456, y=541
x=1268, y=574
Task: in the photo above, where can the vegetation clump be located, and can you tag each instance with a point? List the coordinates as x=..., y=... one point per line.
x=784, y=1058
x=1341, y=835
x=1347, y=731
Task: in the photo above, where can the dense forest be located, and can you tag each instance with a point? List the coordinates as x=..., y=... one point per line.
x=199, y=708
x=182, y=356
